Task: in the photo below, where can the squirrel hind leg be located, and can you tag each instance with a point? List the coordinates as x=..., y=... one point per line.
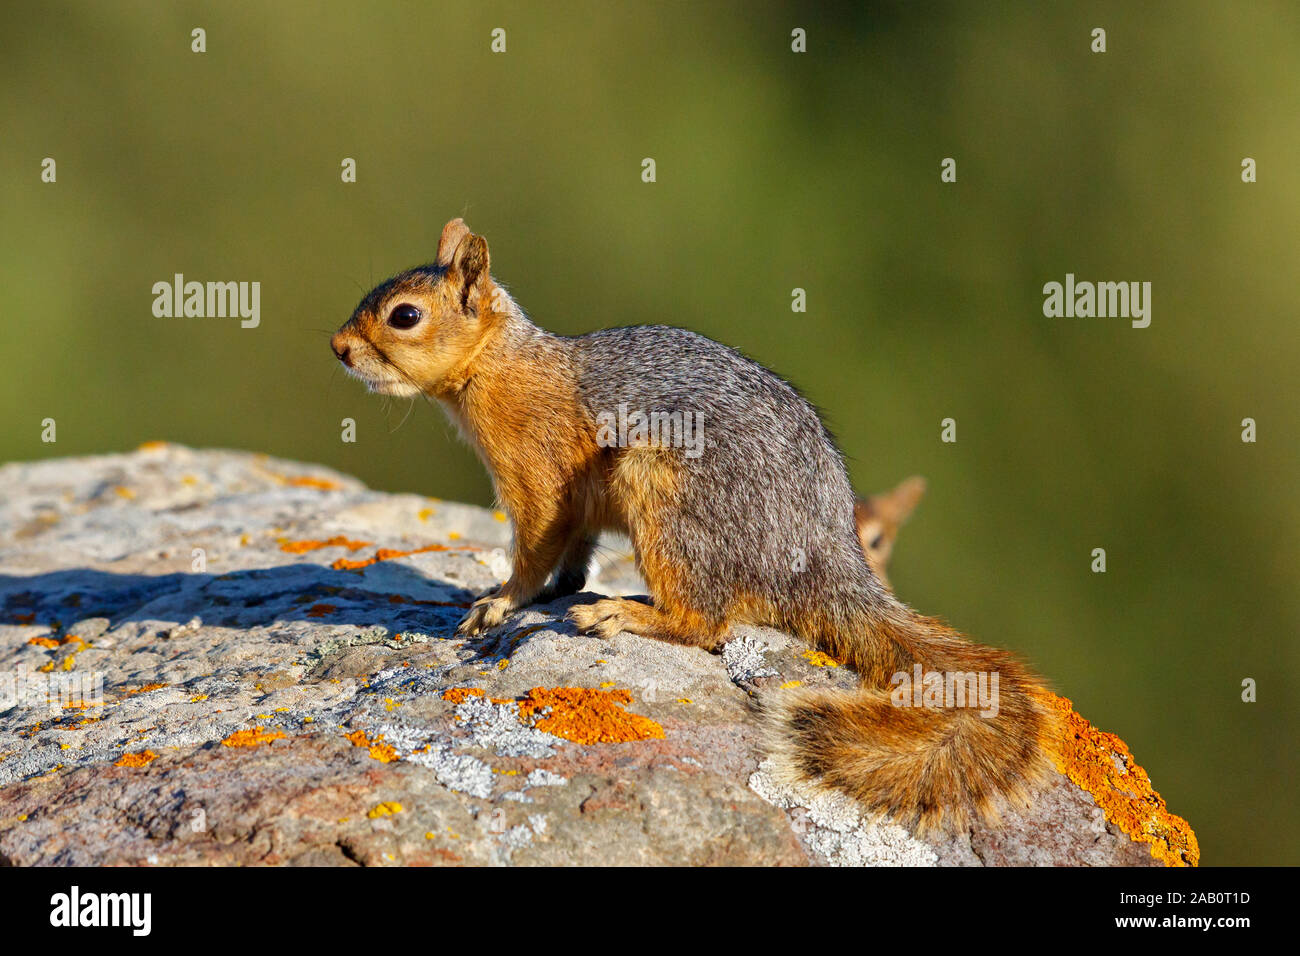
x=610, y=616
x=571, y=574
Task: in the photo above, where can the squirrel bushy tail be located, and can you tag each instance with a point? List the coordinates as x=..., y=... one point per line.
x=922, y=765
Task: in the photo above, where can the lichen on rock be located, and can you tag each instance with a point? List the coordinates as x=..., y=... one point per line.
x=274, y=644
x=1101, y=764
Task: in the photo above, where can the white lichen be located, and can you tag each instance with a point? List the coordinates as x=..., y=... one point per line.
x=744, y=659
x=833, y=825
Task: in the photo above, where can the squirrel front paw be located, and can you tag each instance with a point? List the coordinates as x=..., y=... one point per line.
x=602, y=619
x=485, y=613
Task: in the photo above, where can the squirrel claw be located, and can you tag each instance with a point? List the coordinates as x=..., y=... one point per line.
x=486, y=613
x=602, y=619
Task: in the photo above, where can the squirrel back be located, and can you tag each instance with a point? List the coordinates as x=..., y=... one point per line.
x=739, y=508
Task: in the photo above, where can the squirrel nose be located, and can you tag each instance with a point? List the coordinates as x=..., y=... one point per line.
x=340, y=348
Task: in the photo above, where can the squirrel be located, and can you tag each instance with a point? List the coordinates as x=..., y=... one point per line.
x=878, y=518
x=757, y=526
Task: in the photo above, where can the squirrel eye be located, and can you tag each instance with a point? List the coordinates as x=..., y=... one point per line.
x=404, y=316
x=877, y=541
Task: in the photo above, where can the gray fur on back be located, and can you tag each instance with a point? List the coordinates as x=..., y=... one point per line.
x=769, y=507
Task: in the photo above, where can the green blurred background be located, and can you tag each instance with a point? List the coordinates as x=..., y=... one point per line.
x=775, y=171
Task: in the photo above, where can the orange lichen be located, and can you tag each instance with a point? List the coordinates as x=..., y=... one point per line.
x=338, y=541
x=83, y=704
x=78, y=724
x=151, y=445
x=320, y=610
x=457, y=695
x=252, y=737
x=384, y=753
x=145, y=688
x=1102, y=764
x=586, y=715
x=818, y=659
x=43, y=642
x=305, y=481
x=141, y=759
x=385, y=809
x=386, y=554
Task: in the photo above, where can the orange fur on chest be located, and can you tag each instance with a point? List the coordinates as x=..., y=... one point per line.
x=528, y=427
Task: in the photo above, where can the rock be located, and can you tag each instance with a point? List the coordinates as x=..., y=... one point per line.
x=215, y=657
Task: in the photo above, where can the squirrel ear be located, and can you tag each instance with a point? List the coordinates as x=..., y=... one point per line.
x=452, y=234
x=902, y=500
x=469, y=264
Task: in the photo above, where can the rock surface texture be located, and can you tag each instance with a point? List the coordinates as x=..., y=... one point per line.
x=215, y=657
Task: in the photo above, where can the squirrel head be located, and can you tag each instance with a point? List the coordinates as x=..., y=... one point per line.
x=420, y=330
x=880, y=516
